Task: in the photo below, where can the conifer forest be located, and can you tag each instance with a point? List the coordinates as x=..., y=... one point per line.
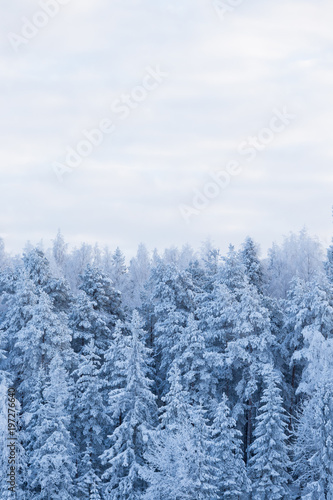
x=175, y=375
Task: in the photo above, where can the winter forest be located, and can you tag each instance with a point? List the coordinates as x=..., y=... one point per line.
x=183, y=375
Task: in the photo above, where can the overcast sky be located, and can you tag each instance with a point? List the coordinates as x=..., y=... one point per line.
x=222, y=78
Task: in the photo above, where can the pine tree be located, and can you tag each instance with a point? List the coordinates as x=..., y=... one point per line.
x=19, y=301
x=270, y=462
x=97, y=257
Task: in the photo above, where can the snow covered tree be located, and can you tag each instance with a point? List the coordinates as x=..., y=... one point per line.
x=186, y=256
x=89, y=483
x=76, y=263
x=317, y=357
x=313, y=454
x=19, y=306
x=176, y=404
x=44, y=335
x=309, y=304
x=210, y=257
x=88, y=324
x=232, y=481
x=167, y=305
x=132, y=409
x=38, y=270
x=222, y=339
x=300, y=256
x=167, y=466
x=139, y=271
x=4, y=385
x=179, y=466
x=4, y=258
x=190, y=357
x=217, y=317
x=118, y=269
x=52, y=461
x=247, y=355
x=101, y=291
x=253, y=267
x=97, y=259
x=313, y=451
x=269, y=463
x=91, y=421
x=59, y=250
x=329, y=264
x=37, y=266
x=181, y=462
x=233, y=271
x=202, y=465
x=106, y=303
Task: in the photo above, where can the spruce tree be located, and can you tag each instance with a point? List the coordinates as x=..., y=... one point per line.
x=52, y=461
x=253, y=266
x=4, y=385
x=106, y=302
x=91, y=421
x=227, y=444
x=181, y=460
x=269, y=463
x=247, y=354
x=329, y=264
x=192, y=360
x=313, y=451
x=133, y=411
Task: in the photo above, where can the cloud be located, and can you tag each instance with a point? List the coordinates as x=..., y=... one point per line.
x=225, y=78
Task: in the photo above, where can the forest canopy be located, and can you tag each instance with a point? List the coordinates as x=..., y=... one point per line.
x=182, y=375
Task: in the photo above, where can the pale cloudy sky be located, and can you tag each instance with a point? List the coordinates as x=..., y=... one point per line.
x=226, y=75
